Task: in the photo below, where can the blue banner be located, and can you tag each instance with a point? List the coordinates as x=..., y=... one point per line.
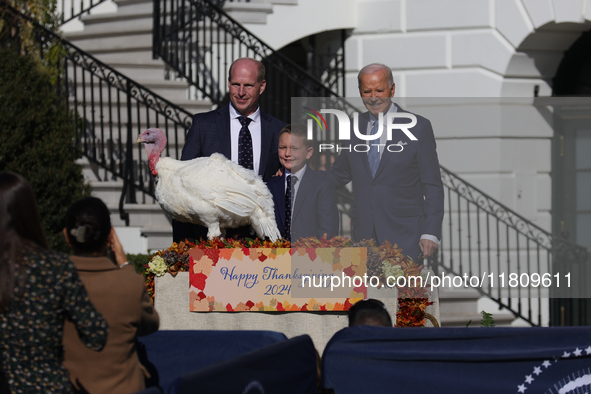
x=496, y=360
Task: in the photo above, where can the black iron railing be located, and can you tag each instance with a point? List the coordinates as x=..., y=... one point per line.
x=68, y=10
x=198, y=40
x=329, y=66
x=482, y=237
x=111, y=110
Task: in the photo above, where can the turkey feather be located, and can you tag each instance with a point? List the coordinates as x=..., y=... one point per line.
x=211, y=191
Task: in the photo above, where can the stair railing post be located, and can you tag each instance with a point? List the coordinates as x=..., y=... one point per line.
x=131, y=198
x=156, y=31
x=128, y=192
x=433, y=262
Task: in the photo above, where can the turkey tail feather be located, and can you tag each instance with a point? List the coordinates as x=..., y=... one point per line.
x=267, y=228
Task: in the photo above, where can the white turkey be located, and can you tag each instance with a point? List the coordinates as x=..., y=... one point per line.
x=211, y=191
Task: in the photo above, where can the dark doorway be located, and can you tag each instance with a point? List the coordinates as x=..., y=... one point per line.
x=322, y=55
x=571, y=169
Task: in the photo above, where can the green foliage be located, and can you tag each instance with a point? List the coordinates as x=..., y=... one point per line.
x=138, y=261
x=37, y=137
x=23, y=36
x=487, y=320
x=43, y=11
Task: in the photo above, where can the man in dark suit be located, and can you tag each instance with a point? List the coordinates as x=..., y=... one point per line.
x=240, y=131
x=397, y=188
x=309, y=210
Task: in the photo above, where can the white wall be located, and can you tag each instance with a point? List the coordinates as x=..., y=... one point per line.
x=461, y=49
x=467, y=49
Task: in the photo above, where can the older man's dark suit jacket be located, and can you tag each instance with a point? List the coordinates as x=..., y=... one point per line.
x=210, y=133
x=315, y=210
x=405, y=199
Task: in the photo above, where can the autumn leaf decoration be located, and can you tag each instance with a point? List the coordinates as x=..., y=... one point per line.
x=176, y=257
x=412, y=300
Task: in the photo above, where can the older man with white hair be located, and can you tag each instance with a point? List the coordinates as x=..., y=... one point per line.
x=397, y=189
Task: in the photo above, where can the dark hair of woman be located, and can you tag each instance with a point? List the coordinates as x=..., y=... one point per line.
x=20, y=226
x=88, y=226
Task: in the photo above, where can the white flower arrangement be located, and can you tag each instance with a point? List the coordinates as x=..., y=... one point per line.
x=157, y=266
x=391, y=270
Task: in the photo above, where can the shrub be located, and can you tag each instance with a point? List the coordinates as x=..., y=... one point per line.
x=139, y=261
x=37, y=140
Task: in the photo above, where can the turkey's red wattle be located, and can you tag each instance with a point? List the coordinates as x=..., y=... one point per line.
x=152, y=161
x=154, y=150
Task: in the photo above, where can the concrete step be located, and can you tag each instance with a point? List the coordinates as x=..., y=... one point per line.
x=111, y=25
x=143, y=240
x=159, y=237
x=458, y=301
x=153, y=223
x=123, y=3
x=459, y=306
x=141, y=215
x=96, y=44
x=190, y=106
x=103, y=26
x=149, y=83
x=125, y=11
x=108, y=191
x=253, y=12
x=141, y=68
x=114, y=147
x=110, y=143
x=503, y=319
x=113, y=152
x=145, y=118
x=173, y=91
x=132, y=240
x=94, y=173
x=284, y=2
x=101, y=174
x=135, y=57
x=141, y=71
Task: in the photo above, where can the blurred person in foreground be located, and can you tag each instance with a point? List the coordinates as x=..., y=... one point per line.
x=369, y=312
x=38, y=290
x=118, y=292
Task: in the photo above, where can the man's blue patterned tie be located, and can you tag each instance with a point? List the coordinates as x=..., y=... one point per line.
x=374, y=155
x=245, y=144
